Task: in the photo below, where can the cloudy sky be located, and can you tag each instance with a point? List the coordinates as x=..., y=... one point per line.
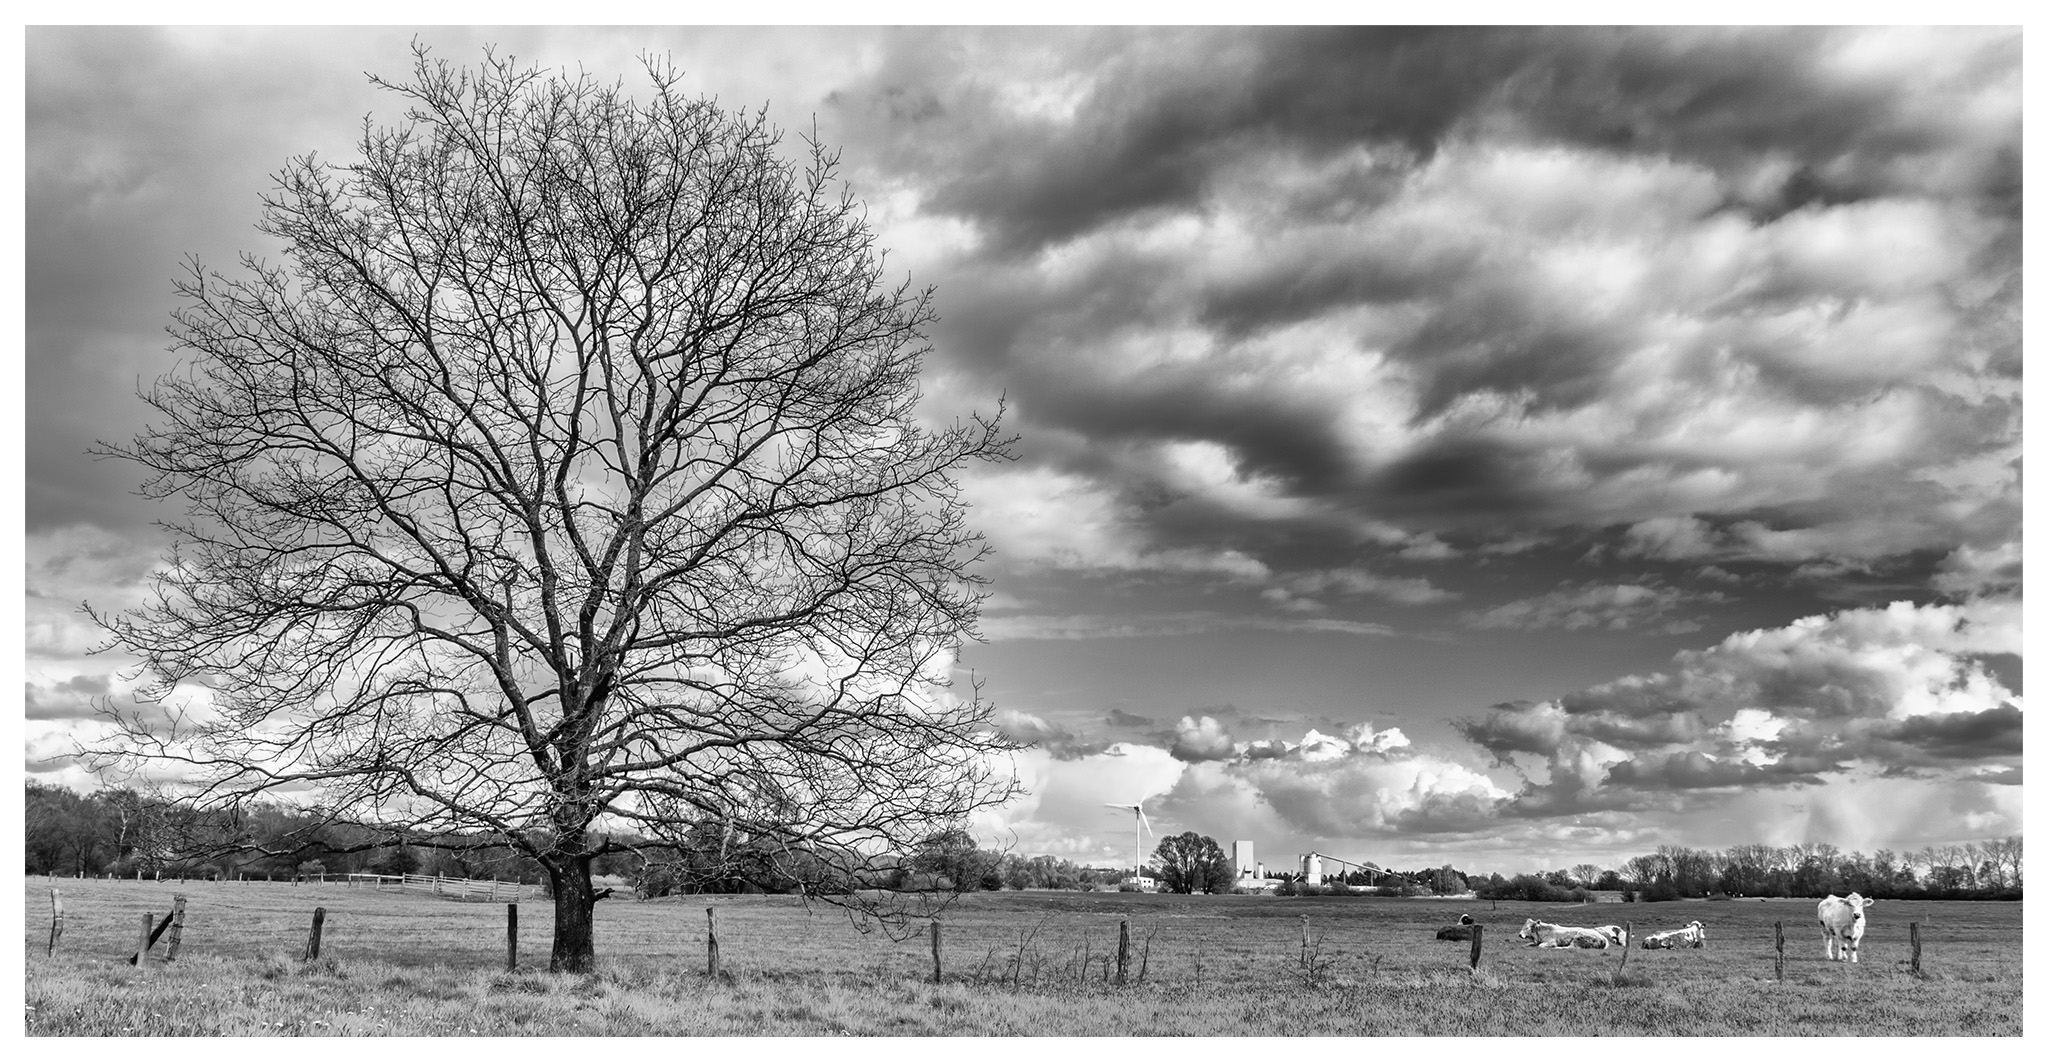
x=1505, y=448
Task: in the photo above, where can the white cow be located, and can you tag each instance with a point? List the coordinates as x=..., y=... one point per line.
x=1551, y=935
x=1690, y=935
x=1841, y=920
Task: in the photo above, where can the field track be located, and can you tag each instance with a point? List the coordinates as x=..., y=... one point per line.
x=1015, y=964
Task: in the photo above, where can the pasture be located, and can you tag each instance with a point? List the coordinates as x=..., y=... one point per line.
x=1016, y=964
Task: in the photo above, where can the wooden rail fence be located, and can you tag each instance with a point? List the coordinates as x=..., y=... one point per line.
x=458, y=888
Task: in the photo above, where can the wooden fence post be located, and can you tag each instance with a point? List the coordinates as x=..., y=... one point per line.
x=313, y=938
x=56, y=920
x=1779, y=929
x=1123, y=949
x=142, y=943
x=177, y=927
x=511, y=937
x=1913, y=930
x=1478, y=933
x=711, y=941
x=937, y=971
x=1628, y=936
x=149, y=940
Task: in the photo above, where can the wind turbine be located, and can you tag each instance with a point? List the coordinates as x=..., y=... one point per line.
x=1142, y=826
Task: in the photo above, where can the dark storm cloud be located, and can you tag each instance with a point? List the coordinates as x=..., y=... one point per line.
x=1515, y=727
x=132, y=164
x=1547, y=729
x=1168, y=110
x=1117, y=717
x=1632, y=696
x=1594, y=272
x=1690, y=769
x=1156, y=127
x=1960, y=736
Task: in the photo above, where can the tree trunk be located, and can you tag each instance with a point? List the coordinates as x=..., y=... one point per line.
x=575, y=949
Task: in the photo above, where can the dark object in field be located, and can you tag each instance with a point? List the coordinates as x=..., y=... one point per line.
x=149, y=942
x=1461, y=931
x=600, y=894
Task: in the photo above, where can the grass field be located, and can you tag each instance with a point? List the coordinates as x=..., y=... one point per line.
x=1016, y=964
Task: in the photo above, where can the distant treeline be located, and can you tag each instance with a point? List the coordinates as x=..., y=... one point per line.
x=1981, y=870
x=122, y=832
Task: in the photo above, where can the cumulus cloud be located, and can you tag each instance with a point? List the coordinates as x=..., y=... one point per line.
x=1201, y=739
x=1897, y=690
x=1361, y=782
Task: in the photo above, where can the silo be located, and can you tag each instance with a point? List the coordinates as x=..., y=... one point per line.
x=1312, y=868
x=1241, y=854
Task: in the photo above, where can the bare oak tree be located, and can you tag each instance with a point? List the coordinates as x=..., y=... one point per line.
x=563, y=483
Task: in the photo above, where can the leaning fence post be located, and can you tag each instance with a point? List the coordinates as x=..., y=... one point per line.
x=313, y=938
x=1913, y=930
x=1628, y=934
x=1779, y=929
x=711, y=941
x=936, y=970
x=56, y=920
x=177, y=927
x=1123, y=949
x=511, y=937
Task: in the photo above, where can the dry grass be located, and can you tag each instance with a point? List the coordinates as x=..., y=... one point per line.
x=1016, y=965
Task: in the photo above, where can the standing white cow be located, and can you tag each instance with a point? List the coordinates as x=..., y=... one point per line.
x=1841, y=920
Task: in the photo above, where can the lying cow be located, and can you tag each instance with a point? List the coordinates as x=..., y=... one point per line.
x=1690, y=935
x=1841, y=920
x=1461, y=931
x=1550, y=935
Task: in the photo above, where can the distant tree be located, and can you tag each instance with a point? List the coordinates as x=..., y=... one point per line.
x=404, y=859
x=958, y=864
x=1191, y=862
x=1586, y=874
x=1446, y=881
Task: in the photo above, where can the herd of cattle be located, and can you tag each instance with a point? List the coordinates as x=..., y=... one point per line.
x=1841, y=922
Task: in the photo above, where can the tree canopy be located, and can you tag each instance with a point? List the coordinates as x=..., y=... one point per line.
x=1190, y=862
x=566, y=472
